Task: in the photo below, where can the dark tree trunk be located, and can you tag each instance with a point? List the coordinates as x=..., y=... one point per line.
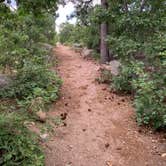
x=142, y=5
x=125, y=6
x=104, y=51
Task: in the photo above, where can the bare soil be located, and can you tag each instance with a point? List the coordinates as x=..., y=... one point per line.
x=100, y=125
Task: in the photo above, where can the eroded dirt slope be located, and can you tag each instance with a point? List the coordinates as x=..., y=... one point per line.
x=101, y=130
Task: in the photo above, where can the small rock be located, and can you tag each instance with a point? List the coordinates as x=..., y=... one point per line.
x=69, y=164
x=86, y=53
x=163, y=155
x=41, y=116
x=154, y=141
x=70, y=146
x=44, y=137
x=108, y=163
x=29, y=124
x=83, y=130
x=4, y=80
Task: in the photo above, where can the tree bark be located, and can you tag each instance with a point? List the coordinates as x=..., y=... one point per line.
x=142, y=5
x=104, y=51
x=125, y=6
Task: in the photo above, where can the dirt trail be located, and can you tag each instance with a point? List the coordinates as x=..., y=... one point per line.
x=101, y=130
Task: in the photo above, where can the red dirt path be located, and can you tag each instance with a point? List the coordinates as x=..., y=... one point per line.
x=101, y=129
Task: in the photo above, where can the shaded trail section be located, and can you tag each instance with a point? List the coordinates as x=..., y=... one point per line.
x=100, y=126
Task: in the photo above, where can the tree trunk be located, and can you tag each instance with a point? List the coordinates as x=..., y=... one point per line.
x=125, y=6
x=142, y=5
x=104, y=51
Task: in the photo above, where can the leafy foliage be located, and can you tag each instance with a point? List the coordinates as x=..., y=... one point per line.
x=18, y=146
x=137, y=38
x=25, y=59
x=83, y=33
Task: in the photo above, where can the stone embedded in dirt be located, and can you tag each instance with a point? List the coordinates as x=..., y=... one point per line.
x=154, y=141
x=86, y=53
x=163, y=155
x=115, y=65
x=70, y=146
x=41, y=116
x=29, y=124
x=109, y=163
x=112, y=67
x=4, y=80
x=69, y=164
x=44, y=137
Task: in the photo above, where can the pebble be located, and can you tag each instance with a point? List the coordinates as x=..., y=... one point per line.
x=44, y=137
x=41, y=116
x=163, y=155
x=108, y=163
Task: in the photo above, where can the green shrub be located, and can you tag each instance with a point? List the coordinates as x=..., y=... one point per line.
x=33, y=81
x=149, y=92
x=150, y=98
x=18, y=146
x=122, y=82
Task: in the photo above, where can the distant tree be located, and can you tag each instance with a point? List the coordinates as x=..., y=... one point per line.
x=104, y=51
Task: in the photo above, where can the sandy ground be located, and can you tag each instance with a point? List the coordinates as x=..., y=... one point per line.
x=100, y=126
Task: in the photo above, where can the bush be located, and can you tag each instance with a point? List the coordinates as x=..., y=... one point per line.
x=26, y=61
x=18, y=146
x=28, y=79
x=137, y=38
x=148, y=89
x=150, y=98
